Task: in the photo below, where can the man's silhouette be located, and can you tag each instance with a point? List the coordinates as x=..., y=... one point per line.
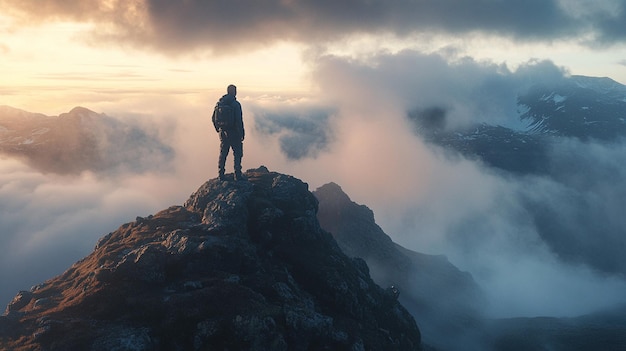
x=231, y=134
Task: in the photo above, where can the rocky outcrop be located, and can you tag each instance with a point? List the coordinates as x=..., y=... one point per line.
x=240, y=266
x=444, y=300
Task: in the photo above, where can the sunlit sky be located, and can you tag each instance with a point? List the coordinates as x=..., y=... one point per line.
x=57, y=59
x=52, y=67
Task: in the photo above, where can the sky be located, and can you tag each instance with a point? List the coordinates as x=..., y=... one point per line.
x=314, y=79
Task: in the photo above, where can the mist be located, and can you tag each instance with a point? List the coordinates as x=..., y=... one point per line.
x=538, y=245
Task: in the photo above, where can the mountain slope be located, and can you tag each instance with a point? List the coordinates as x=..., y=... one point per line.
x=241, y=266
x=79, y=140
x=443, y=299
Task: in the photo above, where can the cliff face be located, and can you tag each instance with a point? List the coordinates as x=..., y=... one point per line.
x=240, y=266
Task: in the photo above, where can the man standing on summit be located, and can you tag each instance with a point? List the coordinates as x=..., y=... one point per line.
x=228, y=122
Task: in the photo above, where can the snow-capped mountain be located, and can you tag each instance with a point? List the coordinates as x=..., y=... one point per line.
x=584, y=108
x=79, y=140
x=581, y=107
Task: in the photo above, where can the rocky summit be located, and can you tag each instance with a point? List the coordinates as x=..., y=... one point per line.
x=239, y=266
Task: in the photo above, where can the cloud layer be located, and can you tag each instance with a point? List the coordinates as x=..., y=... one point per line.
x=537, y=244
x=49, y=222
x=226, y=26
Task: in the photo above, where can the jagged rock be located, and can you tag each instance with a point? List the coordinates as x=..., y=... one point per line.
x=240, y=266
x=19, y=301
x=443, y=299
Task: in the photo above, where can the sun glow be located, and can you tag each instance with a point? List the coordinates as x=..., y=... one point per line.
x=52, y=67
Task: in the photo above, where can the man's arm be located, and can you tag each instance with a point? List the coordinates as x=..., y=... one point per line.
x=240, y=120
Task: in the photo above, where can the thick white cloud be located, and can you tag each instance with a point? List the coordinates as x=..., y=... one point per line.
x=49, y=222
x=485, y=221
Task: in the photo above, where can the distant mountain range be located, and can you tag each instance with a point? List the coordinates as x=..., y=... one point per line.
x=564, y=133
x=580, y=107
x=80, y=140
x=585, y=108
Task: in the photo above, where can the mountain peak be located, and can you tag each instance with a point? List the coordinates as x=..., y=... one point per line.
x=241, y=265
x=334, y=192
x=81, y=114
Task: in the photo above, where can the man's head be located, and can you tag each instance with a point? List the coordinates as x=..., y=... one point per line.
x=231, y=90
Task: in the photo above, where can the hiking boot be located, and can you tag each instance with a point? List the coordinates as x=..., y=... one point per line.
x=239, y=176
x=222, y=176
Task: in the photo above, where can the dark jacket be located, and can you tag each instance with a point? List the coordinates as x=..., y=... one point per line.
x=232, y=100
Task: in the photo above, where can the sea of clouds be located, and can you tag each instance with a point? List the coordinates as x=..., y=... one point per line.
x=353, y=131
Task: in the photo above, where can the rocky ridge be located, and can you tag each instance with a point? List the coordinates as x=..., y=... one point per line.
x=444, y=300
x=240, y=266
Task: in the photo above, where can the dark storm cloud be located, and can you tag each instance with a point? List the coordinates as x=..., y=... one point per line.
x=222, y=26
x=611, y=28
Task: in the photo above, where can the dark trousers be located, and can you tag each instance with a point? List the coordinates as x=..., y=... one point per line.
x=227, y=142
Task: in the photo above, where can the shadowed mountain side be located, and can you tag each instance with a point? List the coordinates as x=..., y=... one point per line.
x=79, y=140
x=240, y=266
x=443, y=299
